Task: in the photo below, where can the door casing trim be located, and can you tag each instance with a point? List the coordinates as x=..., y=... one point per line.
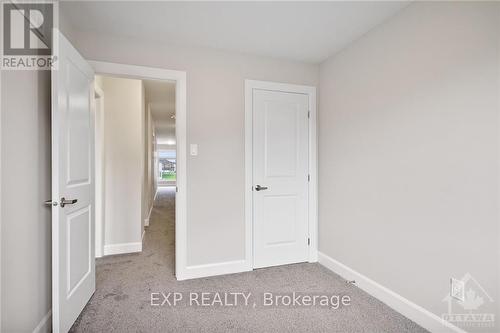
x=250, y=85
x=98, y=106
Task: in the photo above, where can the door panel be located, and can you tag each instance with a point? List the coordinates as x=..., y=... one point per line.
x=280, y=219
x=280, y=157
x=280, y=139
x=78, y=127
x=79, y=226
x=73, y=263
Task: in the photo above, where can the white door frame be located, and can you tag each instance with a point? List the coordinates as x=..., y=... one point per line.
x=250, y=85
x=98, y=106
x=152, y=73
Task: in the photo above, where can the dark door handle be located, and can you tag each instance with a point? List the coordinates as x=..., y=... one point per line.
x=65, y=201
x=260, y=188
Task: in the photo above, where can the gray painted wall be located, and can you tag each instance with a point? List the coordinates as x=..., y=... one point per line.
x=26, y=183
x=215, y=121
x=409, y=152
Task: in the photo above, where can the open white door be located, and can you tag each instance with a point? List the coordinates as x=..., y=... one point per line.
x=73, y=263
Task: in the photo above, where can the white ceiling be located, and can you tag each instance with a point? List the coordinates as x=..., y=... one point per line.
x=160, y=96
x=302, y=31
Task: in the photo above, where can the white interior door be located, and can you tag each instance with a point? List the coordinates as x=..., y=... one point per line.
x=280, y=178
x=73, y=265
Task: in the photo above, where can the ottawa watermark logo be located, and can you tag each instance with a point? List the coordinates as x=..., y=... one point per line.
x=470, y=304
x=28, y=41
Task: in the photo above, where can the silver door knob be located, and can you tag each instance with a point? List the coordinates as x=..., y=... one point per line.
x=260, y=188
x=65, y=201
x=50, y=203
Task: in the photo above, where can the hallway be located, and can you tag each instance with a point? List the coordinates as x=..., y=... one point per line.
x=124, y=283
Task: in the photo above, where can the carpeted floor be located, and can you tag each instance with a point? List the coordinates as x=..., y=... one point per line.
x=122, y=301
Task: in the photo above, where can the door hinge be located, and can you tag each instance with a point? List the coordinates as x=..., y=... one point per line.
x=176, y=189
x=308, y=178
x=308, y=241
x=309, y=114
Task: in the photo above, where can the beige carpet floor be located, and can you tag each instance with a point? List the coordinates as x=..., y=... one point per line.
x=122, y=301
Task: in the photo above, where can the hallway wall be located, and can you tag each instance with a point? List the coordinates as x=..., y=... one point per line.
x=149, y=183
x=124, y=159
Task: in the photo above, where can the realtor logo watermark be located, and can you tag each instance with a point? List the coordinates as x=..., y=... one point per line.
x=468, y=309
x=27, y=36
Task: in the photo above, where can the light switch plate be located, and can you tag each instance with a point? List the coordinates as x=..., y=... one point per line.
x=193, y=149
x=457, y=289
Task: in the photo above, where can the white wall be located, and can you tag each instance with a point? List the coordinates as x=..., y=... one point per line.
x=215, y=121
x=100, y=182
x=154, y=157
x=149, y=165
x=123, y=137
x=98, y=81
x=409, y=152
x=26, y=184
x=144, y=188
x=166, y=147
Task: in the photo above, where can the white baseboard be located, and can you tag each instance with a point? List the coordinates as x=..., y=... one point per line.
x=123, y=248
x=45, y=325
x=99, y=254
x=199, y=271
x=146, y=221
x=418, y=314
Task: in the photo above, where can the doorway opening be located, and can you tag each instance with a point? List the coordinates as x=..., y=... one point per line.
x=135, y=156
x=160, y=99
x=161, y=148
x=143, y=140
